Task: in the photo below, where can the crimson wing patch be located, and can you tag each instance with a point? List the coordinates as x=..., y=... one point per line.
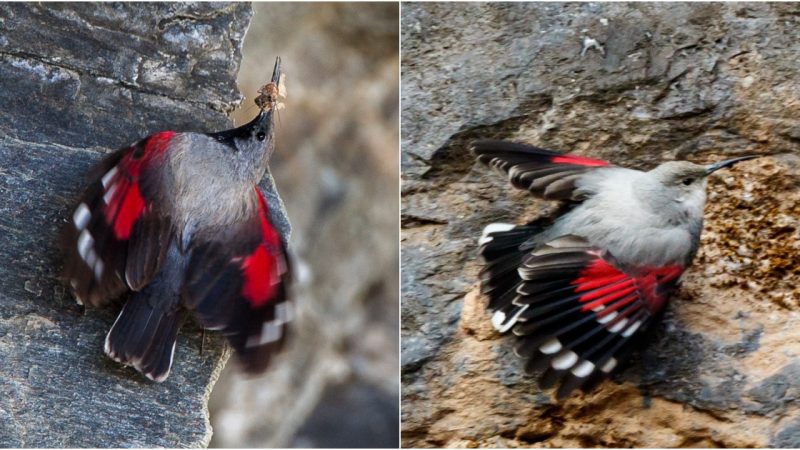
x=117, y=236
x=577, y=315
x=547, y=174
x=239, y=284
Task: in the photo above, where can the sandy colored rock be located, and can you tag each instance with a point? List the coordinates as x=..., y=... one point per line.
x=674, y=81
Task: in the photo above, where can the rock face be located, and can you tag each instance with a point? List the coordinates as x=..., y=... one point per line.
x=636, y=84
x=336, y=166
x=79, y=81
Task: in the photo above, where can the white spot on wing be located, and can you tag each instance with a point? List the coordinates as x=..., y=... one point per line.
x=108, y=176
x=98, y=269
x=498, y=319
x=91, y=258
x=632, y=329
x=608, y=317
x=494, y=228
x=565, y=360
x=109, y=195
x=271, y=332
x=550, y=347
x=609, y=365
x=284, y=312
x=583, y=369
x=81, y=216
x=85, y=242
x=618, y=326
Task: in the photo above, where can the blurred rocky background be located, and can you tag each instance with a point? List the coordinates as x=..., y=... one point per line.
x=336, y=168
x=635, y=83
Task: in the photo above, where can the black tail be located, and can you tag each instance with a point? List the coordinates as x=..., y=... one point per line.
x=502, y=247
x=144, y=337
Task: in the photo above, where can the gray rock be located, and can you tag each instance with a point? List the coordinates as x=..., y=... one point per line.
x=788, y=436
x=81, y=80
x=636, y=84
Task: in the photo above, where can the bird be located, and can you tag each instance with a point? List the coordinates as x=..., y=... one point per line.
x=177, y=222
x=580, y=287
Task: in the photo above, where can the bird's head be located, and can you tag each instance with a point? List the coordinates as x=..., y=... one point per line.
x=687, y=176
x=249, y=146
x=685, y=182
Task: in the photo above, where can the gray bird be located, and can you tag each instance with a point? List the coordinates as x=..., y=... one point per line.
x=579, y=288
x=177, y=220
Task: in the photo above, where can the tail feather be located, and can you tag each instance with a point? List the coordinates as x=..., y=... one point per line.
x=144, y=337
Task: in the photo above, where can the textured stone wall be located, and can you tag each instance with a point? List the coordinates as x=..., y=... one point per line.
x=80, y=80
x=665, y=81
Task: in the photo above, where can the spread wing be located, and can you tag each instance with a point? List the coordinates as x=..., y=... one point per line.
x=238, y=283
x=545, y=173
x=117, y=236
x=577, y=315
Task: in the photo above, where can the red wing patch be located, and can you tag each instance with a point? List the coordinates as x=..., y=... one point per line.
x=545, y=173
x=239, y=284
x=262, y=268
x=579, y=161
x=122, y=195
x=577, y=314
x=108, y=221
x=601, y=283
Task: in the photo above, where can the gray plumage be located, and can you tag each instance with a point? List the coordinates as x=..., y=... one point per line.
x=579, y=288
x=178, y=221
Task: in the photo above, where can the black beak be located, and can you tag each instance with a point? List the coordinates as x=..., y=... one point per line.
x=260, y=126
x=276, y=72
x=711, y=168
x=264, y=118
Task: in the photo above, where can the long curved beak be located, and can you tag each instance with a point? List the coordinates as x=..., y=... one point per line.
x=276, y=72
x=711, y=168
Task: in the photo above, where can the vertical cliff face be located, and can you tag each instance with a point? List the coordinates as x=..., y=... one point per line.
x=78, y=81
x=636, y=84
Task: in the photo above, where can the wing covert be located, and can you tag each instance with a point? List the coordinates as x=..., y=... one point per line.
x=547, y=174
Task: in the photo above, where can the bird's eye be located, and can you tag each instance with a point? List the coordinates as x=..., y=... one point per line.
x=261, y=136
x=687, y=181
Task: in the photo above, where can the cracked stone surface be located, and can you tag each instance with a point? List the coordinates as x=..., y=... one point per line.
x=81, y=80
x=656, y=81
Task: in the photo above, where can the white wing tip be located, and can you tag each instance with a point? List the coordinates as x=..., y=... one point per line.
x=502, y=325
x=551, y=346
x=497, y=319
x=609, y=365
x=583, y=369
x=494, y=228
x=565, y=360
x=498, y=228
